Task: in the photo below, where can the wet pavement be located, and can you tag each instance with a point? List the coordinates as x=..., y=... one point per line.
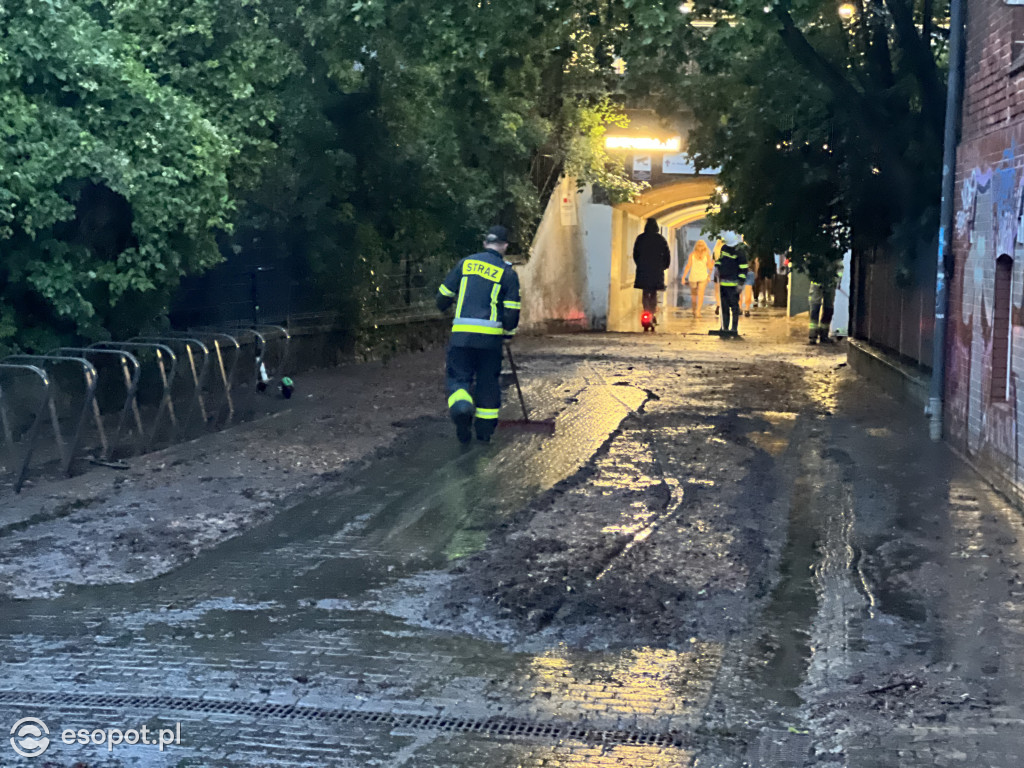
x=731, y=553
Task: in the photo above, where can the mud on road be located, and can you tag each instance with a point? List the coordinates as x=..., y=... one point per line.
x=674, y=529
x=741, y=527
x=111, y=526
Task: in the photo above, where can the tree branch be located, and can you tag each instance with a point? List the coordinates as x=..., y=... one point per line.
x=920, y=62
x=863, y=111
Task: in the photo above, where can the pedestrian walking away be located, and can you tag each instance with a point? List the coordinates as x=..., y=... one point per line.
x=652, y=257
x=747, y=291
x=822, y=298
x=766, y=270
x=699, y=266
x=732, y=272
x=485, y=291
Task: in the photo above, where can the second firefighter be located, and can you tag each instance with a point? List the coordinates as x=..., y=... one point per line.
x=732, y=272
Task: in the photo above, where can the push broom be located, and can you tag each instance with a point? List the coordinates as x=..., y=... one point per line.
x=543, y=426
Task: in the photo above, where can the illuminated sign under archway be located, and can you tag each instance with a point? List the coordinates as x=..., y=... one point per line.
x=643, y=143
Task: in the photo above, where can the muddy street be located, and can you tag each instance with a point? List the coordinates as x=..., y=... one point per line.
x=731, y=553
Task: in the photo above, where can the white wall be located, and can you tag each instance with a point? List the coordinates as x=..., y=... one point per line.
x=565, y=282
x=841, y=318
x=597, y=250
x=624, y=303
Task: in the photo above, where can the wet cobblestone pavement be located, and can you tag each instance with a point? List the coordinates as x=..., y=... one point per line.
x=731, y=553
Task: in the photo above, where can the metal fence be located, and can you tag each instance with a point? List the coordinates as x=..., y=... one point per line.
x=892, y=312
x=242, y=291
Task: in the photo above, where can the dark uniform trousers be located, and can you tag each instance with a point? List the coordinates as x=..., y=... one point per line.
x=822, y=300
x=732, y=273
x=730, y=307
x=485, y=291
x=463, y=366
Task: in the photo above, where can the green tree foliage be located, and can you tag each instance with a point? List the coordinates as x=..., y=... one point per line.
x=145, y=139
x=112, y=184
x=826, y=129
x=585, y=156
x=230, y=58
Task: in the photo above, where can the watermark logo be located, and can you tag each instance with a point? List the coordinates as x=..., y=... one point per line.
x=29, y=737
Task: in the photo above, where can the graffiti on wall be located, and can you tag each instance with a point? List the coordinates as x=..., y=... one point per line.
x=989, y=224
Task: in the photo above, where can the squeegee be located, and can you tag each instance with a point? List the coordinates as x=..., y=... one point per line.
x=545, y=426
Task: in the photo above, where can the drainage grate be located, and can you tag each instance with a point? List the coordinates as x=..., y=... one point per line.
x=780, y=749
x=506, y=727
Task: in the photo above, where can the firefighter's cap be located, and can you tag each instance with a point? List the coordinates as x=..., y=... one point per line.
x=497, y=234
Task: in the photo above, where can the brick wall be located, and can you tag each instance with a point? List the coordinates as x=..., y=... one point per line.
x=983, y=414
x=991, y=98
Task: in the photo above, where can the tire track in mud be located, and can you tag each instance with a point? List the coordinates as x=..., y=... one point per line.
x=673, y=491
x=659, y=547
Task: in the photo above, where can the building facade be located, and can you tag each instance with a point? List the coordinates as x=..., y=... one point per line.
x=985, y=354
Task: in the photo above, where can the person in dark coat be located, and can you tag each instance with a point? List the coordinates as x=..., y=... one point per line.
x=652, y=257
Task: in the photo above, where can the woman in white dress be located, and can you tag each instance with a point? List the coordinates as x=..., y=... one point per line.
x=698, y=269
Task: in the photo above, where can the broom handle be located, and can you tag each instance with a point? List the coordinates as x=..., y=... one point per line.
x=515, y=378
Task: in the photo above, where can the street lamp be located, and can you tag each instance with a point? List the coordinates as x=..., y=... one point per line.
x=847, y=11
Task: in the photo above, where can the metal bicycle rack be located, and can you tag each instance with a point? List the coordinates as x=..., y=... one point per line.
x=19, y=466
x=271, y=335
x=131, y=371
x=272, y=349
x=244, y=371
x=220, y=343
x=66, y=449
x=148, y=368
x=191, y=347
x=167, y=371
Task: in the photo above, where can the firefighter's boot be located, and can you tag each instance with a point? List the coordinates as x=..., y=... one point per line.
x=462, y=415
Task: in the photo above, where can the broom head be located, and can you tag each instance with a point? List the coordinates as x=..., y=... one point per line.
x=544, y=427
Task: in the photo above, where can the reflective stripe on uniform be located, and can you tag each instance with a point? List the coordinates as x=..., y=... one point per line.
x=478, y=321
x=462, y=296
x=487, y=413
x=725, y=284
x=494, y=301
x=512, y=305
x=510, y=333
x=458, y=396
x=444, y=290
x=487, y=330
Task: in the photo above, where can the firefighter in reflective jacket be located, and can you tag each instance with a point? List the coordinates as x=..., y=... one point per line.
x=485, y=291
x=732, y=272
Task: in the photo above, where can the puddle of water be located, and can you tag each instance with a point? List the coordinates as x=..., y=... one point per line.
x=785, y=642
x=776, y=439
